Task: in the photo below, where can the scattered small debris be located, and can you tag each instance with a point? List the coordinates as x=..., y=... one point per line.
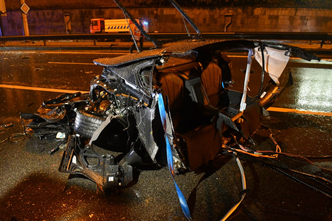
x=63, y=146
x=5, y=126
x=137, y=194
x=59, y=146
x=60, y=135
x=39, y=69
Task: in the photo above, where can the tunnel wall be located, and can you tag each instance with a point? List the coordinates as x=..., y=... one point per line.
x=246, y=19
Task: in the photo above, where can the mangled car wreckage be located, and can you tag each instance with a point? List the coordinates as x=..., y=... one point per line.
x=166, y=106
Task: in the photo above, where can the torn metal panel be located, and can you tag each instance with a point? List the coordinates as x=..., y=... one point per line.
x=144, y=117
x=103, y=170
x=275, y=61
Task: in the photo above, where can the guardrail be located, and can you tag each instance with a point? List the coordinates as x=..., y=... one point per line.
x=325, y=37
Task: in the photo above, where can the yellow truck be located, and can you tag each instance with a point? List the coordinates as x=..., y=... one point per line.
x=99, y=25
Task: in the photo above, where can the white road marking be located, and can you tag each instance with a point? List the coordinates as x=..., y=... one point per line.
x=18, y=87
x=272, y=109
x=289, y=110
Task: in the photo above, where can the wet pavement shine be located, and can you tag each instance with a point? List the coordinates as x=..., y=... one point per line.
x=33, y=189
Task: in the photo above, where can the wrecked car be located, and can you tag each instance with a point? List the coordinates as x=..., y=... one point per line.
x=181, y=93
x=118, y=126
x=172, y=106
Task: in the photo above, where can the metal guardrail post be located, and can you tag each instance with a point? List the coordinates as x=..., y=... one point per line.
x=25, y=9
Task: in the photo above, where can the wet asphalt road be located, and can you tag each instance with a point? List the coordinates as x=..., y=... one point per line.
x=32, y=188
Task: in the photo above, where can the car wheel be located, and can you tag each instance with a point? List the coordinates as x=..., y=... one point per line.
x=86, y=123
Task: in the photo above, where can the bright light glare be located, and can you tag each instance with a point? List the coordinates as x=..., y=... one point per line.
x=314, y=89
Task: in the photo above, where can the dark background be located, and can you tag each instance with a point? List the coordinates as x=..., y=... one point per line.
x=75, y=4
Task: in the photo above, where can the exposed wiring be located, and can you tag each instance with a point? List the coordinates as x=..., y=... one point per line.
x=131, y=33
x=317, y=157
x=140, y=120
x=24, y=127
x=1, y=142
x=313, y=177
x=300, y=181
x=309, y=176
x=4, y=127
x=185, y=25
x=128, y=123
x=186, y=17
x=257, y=154
x=15, y=137
x=294, y=156
x=149, y=38
x=244, y=188
x=263, y=156
x=278, y=149
x=281, y=169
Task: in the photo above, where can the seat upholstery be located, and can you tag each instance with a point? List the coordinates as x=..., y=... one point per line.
x=172, y=86
x=211, y=78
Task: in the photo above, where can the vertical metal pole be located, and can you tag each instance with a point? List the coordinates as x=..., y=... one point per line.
x=25, y=21
x=3, y=12
x=0, y=25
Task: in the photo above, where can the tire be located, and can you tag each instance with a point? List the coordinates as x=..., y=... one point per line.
x=86, y=123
